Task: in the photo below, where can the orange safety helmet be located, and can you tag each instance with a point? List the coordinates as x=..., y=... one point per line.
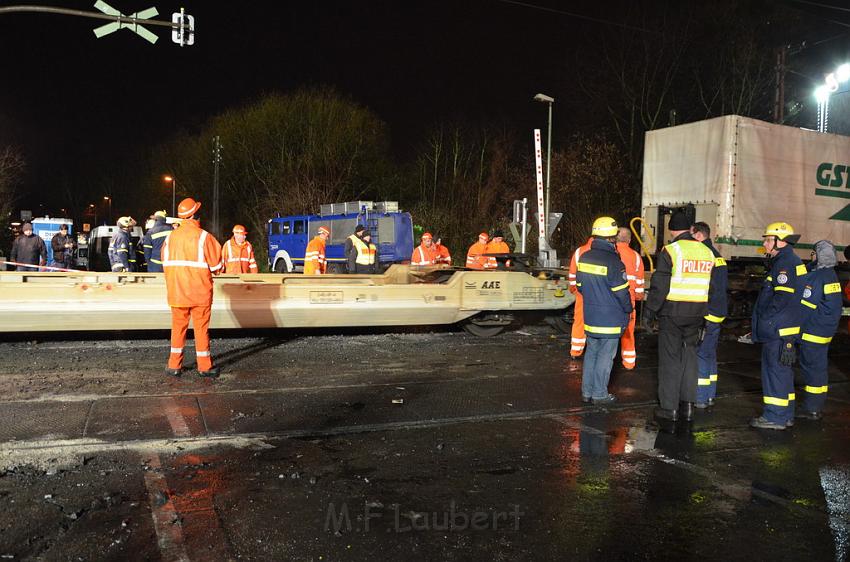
x=427, y=235
x=484, y=236
x=324, y=229
x=239, y=229
x=187, y=208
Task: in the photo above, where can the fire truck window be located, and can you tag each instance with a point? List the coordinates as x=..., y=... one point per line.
x=299, y=227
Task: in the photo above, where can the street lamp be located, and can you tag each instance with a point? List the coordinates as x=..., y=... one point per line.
x=94, y=212
x=109, y=199
x=173, y=181
x=543, y=98
x=829, y=87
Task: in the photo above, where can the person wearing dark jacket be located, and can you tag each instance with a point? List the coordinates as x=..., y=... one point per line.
x=717, y=310
x=153, y=241
x=122, y=251
x=820, y=315
x=63, y=248
x=352, y=243
x=29, y=249
x=604, y=286
x=679, y=299
x=776, y=325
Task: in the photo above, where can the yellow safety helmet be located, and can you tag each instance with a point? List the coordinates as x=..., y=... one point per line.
x=779, y=229
x=605, y=227
x=162, y=214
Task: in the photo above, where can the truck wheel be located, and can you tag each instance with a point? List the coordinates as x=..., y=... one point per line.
x=482, y=331
x=280, y=266
x=335, y=269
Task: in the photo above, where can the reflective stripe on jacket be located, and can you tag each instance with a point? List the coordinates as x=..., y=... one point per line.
x=717, y=299
x=424, y=256
x=634, y=270
x=474, y=259
x=190, y=256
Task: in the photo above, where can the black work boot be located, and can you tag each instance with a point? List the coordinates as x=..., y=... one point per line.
x=174, y=372
x=686, y=410
x=668, y=415
x=804, y=415
x=212, y=373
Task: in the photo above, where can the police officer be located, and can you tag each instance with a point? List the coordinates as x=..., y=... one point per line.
x=776, y=325
x=601, y=279
x=717, y=309
x=679, y=297
x=121, y=252
x=820, y=315
x=153, y=240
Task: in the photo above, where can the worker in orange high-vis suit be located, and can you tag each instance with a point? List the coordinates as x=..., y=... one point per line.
x=237, y=254
x=474, y=259
x=443, y=255
x=190, y=257
x=578, y=339
x=314, y=256
x=635, y=273
x=496, y=245
x=426, y=252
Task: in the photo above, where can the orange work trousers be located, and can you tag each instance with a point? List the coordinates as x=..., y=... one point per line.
x=627, y=343
x=578, y=338
x=200, y=316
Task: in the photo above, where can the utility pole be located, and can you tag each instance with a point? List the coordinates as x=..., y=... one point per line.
x=779, y=98
x=216, y=161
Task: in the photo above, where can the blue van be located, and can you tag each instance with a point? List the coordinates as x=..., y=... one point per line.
x=392, y=234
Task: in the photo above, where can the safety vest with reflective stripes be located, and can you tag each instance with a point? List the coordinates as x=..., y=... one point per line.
x=574, y=264
x=443, y=255
x=365, y=252
x=820, y=302
x=777, y=310
x=474, y=259
x=238, y=258
x=190, y=256
x=634, y=270
x=424, y=256
x=314, y=257
x=691, y=273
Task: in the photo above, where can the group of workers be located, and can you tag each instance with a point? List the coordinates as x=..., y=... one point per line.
x=237, y=254
x=361, y=254
x=795, y=317
x=29, y=252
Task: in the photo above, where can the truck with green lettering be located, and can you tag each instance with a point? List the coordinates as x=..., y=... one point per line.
x=738, y=175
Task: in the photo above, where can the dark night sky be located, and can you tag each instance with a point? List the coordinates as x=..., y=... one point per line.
x=73, y=102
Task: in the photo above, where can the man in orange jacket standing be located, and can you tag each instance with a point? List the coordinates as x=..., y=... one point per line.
x=314, y=256
x=190, y=256
x=635, y=274
x=443, y=255
x=238, y=254
x=577, y=339
x=425, y=253
x=474, y=259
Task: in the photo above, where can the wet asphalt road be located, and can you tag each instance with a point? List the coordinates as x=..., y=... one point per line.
x=411, y=446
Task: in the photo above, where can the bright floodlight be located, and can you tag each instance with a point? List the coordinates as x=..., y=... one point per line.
x=544, y=98
x=822, y=93
x=843, y=72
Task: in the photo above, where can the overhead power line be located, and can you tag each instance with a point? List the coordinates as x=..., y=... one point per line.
x=579, y=16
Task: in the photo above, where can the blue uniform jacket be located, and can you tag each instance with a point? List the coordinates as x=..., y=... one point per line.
x=152, y=244
x=820, y=306
x=777, y=311
x=717, y=300
x=601, y=280
x=121, y=251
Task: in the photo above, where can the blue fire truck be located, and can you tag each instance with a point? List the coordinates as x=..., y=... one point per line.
x=392, y=234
